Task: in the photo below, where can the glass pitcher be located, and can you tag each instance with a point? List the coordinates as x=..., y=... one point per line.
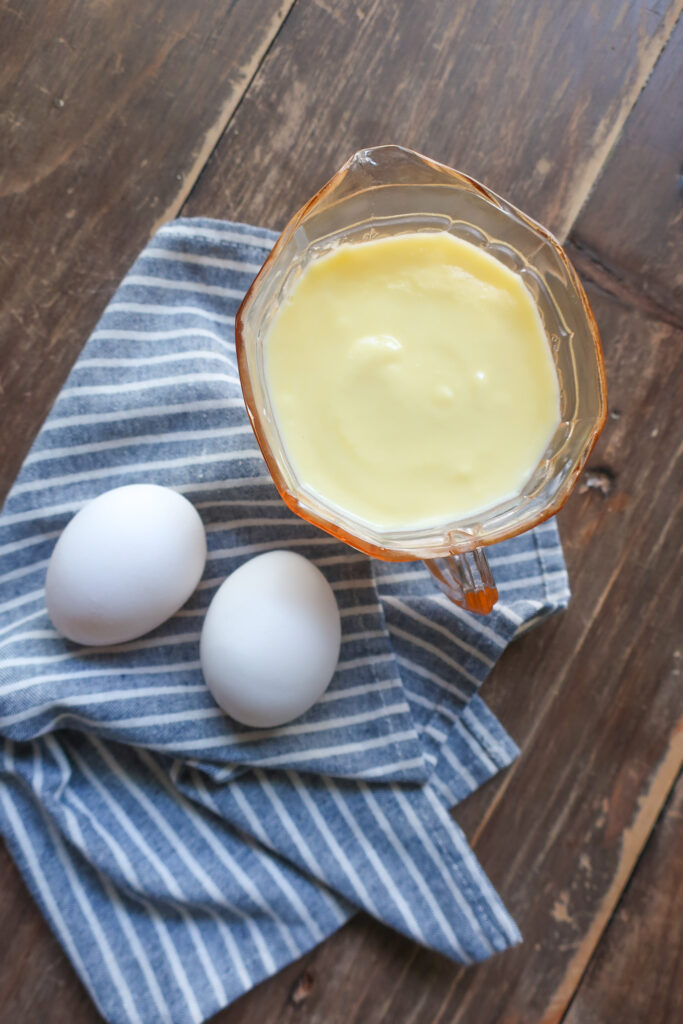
x=391, y=190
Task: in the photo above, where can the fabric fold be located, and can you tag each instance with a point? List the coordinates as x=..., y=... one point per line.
x=181, y=858
x=424, y=861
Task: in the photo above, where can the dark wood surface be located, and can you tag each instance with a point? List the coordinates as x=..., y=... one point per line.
x=241, y=111
x=643, y=939
x=528, y=97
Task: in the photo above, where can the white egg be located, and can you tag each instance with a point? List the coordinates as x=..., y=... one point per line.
x=270, y=640
x=124, y=564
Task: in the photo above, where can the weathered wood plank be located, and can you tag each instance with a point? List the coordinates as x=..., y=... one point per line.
x=636, y=257
x=530, y=100
x=107, y=114
x=528, y=97
x=636, y=975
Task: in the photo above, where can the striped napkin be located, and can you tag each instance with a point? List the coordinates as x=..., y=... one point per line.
x=181, y=858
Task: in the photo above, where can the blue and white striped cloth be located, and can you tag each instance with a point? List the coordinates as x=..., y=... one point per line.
x=178, y=857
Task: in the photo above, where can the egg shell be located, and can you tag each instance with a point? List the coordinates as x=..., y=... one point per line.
x=270, y=641
x=124, y=564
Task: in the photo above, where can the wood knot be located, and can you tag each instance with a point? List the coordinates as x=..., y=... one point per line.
x=600, y=479
x=301, y=989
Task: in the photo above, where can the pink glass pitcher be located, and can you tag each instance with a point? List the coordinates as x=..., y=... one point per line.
x=390, y=190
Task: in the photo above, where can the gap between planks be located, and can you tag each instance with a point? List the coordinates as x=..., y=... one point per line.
x=227, y=112
x=591, y=268
x=633, y=842
x=589, y=178
x=610, y=126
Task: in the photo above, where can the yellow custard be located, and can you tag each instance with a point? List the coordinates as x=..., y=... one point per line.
x=411, y=380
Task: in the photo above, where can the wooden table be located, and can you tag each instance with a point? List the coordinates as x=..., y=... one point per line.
x=118, y=116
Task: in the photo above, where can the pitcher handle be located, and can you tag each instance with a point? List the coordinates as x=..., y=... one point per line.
x=466, y=579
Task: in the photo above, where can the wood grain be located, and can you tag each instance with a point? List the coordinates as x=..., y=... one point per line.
x=107, y=114
x=640, y=258
x=635, y=975
x=37, y=982
x=527, y=96
x=530, y=97
x=594, y=699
